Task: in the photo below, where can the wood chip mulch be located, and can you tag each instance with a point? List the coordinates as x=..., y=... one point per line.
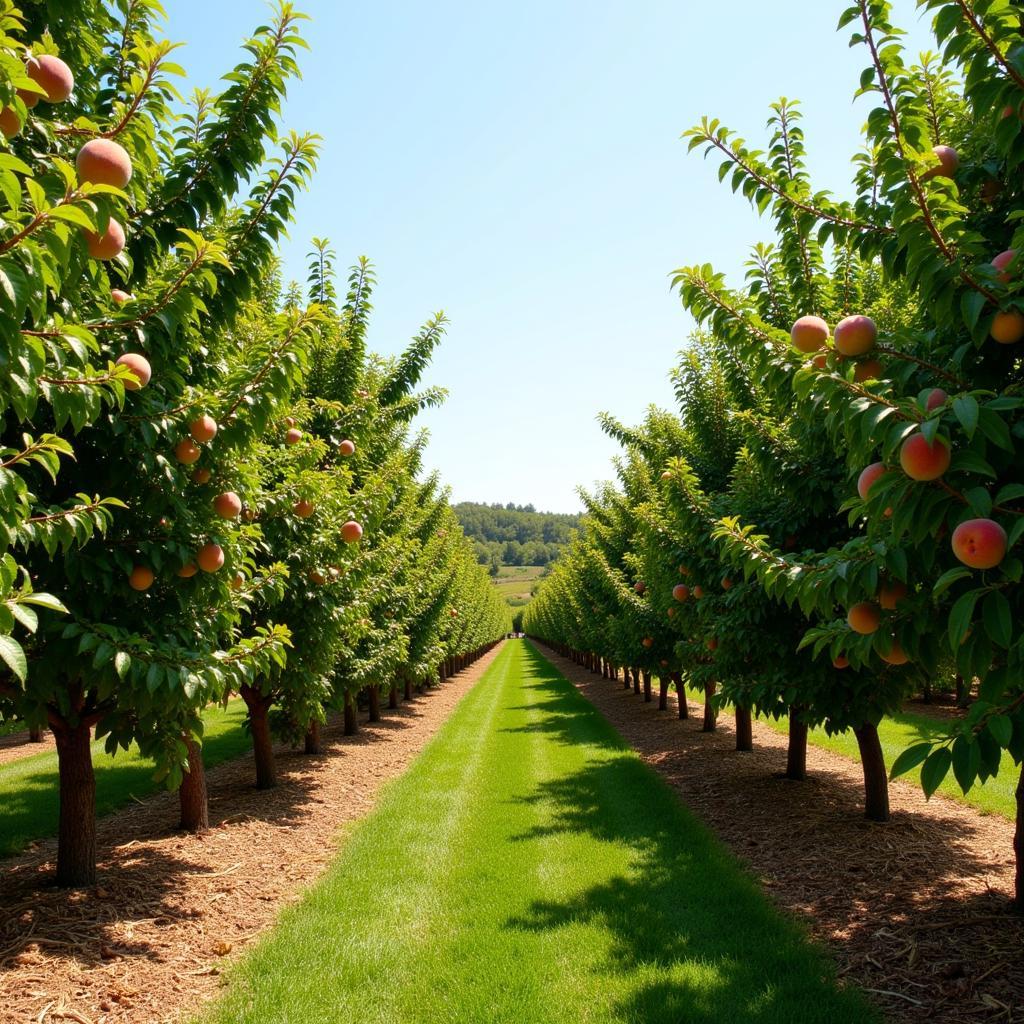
x=914, y=911
x=147, y=944
x=17, y=745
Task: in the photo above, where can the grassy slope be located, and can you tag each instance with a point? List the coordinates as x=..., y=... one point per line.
x=514, y=582
x=530, y=868
x=28, y=786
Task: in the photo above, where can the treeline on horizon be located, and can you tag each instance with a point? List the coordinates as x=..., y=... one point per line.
x=515, y=534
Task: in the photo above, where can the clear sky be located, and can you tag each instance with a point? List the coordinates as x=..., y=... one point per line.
x=520, y=167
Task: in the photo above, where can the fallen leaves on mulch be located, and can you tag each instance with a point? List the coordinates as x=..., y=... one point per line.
x=149, y=941
x=915, y=911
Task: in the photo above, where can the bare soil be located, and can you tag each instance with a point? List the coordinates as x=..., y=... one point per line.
x=147, y=944
x=914, y=911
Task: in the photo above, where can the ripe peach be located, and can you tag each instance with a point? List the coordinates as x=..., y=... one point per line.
x=842, y=661
x=666, y=474
x=809, y=333
x=855, y=335
x=867, y=369
x=289, y=421
x=868, y=477
x=891, y=594
x=949, y=161
x=346, y=448
x=640, y=587
x=936, y=398
x=188, y=570
x=712, y=644
x=119, y=296
x=210, y=557
x=726, y=583
x=186, y=452
x=303, y=508
x=237, y=581
x=53, y=75
x=648, y=641
x=201, y=475
x=896, y=655
x=863, y=617
x=923, y=461
x=107, y=246
x=203, y=429
x=680, y=591
x=227, y=505
x=1001, y=262
x=141, y=578
x=351, y=532
x=820, y=361
x=104, y=162
x=1007, y=327
x=141, y=371
x=698, y=592
x=979, y=543
x=293, y=436
x=10, y=123
x=671, y=613
x=317, y=577
x=249, y=515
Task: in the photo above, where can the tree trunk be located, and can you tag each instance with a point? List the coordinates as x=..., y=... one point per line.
x=744, y=729
x=393, y=697
x=663, y=693
x=963, y=692
x=1018, y=844
x=351, y=722
x=684, y=710
x=408, y=688
x=35, y=734
x=375, y=703
x=710, y=715
x=796, y=752
x=636, y=680
x=313, y=744
x=647, y=687
x=262, y=744
x=626, y=682
x=192, y=798
x=76, y=833
x=876, y=782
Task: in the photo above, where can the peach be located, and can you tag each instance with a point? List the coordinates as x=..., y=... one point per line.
x=317, y=577
x=201, y=475
x=104, y=162
x=187, y=452
x=203, y=429
x=712, y=644
x=863, y=618
x=227, y=505
x=855, y=335
x=351, y=532
x=106, y=246
x=346, y=448
x=188, y=570
x=684, y=570
x=648, y=641
x=289, y=421
x=936, y=398
x=293, y=436
x=141, y=578
x=698, y=592
x=303, y=508
x=841, y=661
x=896, y=655
x=671, y=613
x=141, y=371
x=809, y=333
x=867, y=369
x=52, y=75
x=1007, y=327
x=119, y=296
x=949, y=161
x=666, y=474
x=1001, y=262
x=10, y=123
x=210, y=557
x=640, y=587
x=891, y=594
x=726, y=583
x=979, y=543
x=923, y=461
x=680, y=591
x=868, y=477
x=237, y=581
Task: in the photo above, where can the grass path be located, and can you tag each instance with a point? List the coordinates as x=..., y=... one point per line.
x=28, y=786
x=529, y=868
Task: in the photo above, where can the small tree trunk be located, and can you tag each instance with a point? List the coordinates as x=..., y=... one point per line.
x=636, y=680
x=663, y=693
x=796, y=752
x=684, y=710
x=262, y=744
x=876, y=783
x=192, y=796
x=963, y=692
x=1018, y=844
x=393, y=697
x=408, y=688
x=647, y=687
x=710, y=715
x=926, y=691
x=76, y=833
x=351, y=722
x=35, y=734
x=744, y=729
x=375, y=703
x=313, y=744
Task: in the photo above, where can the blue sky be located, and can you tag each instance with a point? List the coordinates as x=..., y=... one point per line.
x=520, y=167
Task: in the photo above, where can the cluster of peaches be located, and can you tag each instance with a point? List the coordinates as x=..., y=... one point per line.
x=681, y=592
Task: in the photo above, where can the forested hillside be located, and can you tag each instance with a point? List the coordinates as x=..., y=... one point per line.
x=515, y=534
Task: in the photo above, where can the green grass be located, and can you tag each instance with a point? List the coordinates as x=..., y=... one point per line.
x=529, y=868
x=28, y=786
x=900, y=731
x=515, y=581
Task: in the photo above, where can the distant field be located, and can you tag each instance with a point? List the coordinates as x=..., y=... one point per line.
x=514, y=582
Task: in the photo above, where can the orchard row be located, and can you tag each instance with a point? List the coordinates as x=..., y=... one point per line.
x=208, y=486
x=833, y=521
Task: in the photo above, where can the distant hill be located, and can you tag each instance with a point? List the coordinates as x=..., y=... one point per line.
x=515, y=534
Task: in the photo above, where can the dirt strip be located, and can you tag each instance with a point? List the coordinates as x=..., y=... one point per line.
x=148, y=943
x=914, y=911
x=17, y=745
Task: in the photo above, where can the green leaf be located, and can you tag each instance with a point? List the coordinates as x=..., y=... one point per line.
x=13, y=657
x=910, y=758
x=995, y=613
x=1001, y=729
x=936, y=766
x=948, y=578
x=965, y=408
